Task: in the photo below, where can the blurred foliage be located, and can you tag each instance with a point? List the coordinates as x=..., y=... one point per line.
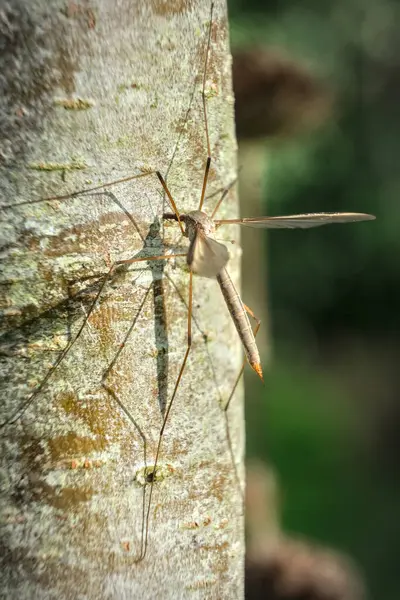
x=333, y=438
x=306, y=425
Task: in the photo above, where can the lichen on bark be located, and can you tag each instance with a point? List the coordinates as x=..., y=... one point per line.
x=107, y=87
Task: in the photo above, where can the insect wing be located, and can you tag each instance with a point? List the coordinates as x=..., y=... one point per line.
x=303, y=221
x=206, y=257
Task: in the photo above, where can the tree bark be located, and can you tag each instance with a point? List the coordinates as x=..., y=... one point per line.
x=95, y=92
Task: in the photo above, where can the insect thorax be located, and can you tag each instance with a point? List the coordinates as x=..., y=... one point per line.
x=196, y=221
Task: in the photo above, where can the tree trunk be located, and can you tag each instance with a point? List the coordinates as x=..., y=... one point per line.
x=92, y=93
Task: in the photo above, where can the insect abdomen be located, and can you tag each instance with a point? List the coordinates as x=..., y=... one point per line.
x=240, y=319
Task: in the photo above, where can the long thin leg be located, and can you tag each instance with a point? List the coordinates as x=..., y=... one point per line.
x=79, y=192
x=171, y=200
x=255, y=331
x=208, y=163
x=117, y=400
x=25, y=405
x=152, y=476
x=203, y=189
x=130, y=261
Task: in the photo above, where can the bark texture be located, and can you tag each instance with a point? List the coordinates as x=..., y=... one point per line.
x=92, y=92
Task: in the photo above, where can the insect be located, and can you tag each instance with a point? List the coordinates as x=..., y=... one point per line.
x=205, y=257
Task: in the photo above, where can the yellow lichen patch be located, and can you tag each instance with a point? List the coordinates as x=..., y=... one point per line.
x=57, y=342
x=72, y=445
x=197, y=524
x=84, y=463
x=130, y=86
x=219, y=483
x=126, y=545
x=73, y=103
x=201, y=584
x=68, y=497
x=211, y=90
x=72, y=166
x=146, y=169
x=147, y=475
x=217, y=546
x=99, y=417
x=222, y=524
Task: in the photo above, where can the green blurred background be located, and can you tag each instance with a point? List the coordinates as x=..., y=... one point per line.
x=328, y=417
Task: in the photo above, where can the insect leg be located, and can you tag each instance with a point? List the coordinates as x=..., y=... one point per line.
x=25, y=405
x=153, y=474
x=226, y=407
x=171, y=200
x=77, y=192
x=117, y=400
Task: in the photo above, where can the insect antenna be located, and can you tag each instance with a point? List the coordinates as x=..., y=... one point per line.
x=203, y=94
x=225, y=192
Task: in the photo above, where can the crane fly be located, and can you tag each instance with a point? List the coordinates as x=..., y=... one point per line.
x=206, y=257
